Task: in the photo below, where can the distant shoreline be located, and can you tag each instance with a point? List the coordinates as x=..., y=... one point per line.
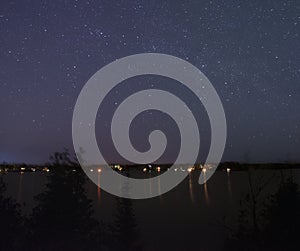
x=233, y=166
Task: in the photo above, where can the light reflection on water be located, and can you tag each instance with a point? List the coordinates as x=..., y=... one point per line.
x=195, y=190
x=21, y=186
x=98, y=188
x=229, y=185
x=159, y=186
x=206, y=196
x=191, y=188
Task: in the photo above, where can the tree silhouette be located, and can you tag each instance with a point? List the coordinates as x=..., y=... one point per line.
x=11, y=227
x=270, y=223
x=125, y=229
x=284, y=218
x=62, y=220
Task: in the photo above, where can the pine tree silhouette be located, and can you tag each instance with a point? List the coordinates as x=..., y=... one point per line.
x=284, y=218
x=279, y=221
x=11, y=223
x=62, y=220
x=125, y=228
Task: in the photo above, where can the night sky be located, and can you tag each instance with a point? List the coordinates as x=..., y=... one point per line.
x=249, y=50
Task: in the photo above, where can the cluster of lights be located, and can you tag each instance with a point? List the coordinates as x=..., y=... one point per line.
x=99, y=170
x=118, y=167
x=22, y=170
x=158, y=169
x=46, y=169
x=145, y=169
x=190, y=169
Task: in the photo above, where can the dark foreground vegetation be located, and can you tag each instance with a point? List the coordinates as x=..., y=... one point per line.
x=270, y=223
x=63, y=217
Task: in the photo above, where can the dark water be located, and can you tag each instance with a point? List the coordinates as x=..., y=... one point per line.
x=190, y=217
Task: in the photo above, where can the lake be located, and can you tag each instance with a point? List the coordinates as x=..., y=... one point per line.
x=189, y=217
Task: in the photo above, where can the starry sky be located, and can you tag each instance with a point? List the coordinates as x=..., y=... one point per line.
x=249, y=50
